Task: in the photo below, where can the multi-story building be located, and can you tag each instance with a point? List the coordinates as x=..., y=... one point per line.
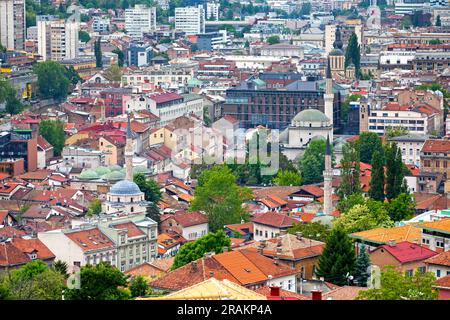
x=57, y=39
x=434, y=157
x=139, y=54
x=419, y=119
x=253, y=103
x=190, y=20
x=12, y=24
x=212, y=10
x=114, y=99
x=78, y=157
x=165, y=77
x=411, y=145
x=19, y=144
x=436, y=235
x=213, y=40
x=436, y=61
x=140, y=19
x=409, y=6
x=125, y=242
x=101, y=24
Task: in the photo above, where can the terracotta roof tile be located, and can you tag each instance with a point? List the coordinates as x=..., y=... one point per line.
x=443, y=282
x=407, y=252
x=432, y=145
x=31, y=245
x=283, y=293
x=188, y=219
x=274, y=219
x=442, y=259
x=91, y=239
x=440, y=225
x=343, y=293
x=10, y=255
x=382, y=235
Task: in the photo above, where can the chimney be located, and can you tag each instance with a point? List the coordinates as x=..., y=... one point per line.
x=316, y=295
x=274, y=291
x=211, y=274
x=194, y=266
x=391, y=243
x=299, y=235
x=275, y=260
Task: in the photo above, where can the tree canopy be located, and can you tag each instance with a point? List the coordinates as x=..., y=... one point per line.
x=53, y=132
x=149, y=187
x=287, y=178
x=8, y=95
x=368, y=143
x=312, y=230
x=218, y=195
x=312, y=163
x=353, y=54
x=53, y=81
x=191, y=251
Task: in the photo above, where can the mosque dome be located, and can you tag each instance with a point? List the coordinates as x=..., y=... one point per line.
x=310, y=115
x=88, y=175
x=125, y=187
x=336, y=52
x=115, y=176
x=115, y=168
x=323, y=219
x=102, y=170
x=140, y=169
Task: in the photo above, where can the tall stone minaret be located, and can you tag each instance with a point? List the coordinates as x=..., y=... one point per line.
x=129, y=152
x=327, y=186
x=328, y=97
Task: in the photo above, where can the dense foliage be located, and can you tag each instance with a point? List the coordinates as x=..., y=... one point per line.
x=53, y=132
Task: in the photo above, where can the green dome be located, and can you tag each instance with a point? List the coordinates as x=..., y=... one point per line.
x=115, y=176
x=115, y=168
x=311, y=115
x=88, y=175
x=140, y=169
x=102, y=170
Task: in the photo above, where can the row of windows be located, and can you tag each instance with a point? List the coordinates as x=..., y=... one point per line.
x=437, y=163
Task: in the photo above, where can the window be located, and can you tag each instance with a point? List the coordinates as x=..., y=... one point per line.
x=409, y=273
x=266, y=234
x=421, y=269
x=438, y=273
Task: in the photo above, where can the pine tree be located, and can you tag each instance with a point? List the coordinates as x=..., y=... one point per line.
x=98, y=53
x=376, y=191
x=438, y=21
x=362, y=264
x=337, y=259
x=153, y=213
x=395, y=172
x=349, y=171
x=353, y=53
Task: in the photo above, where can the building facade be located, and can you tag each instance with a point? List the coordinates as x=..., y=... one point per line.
x=12, y=24
x=190, y=20
x=140, y=19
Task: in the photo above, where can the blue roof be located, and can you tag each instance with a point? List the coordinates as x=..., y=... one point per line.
x=125, y=187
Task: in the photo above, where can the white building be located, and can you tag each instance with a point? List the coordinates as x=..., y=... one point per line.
x=408, y=7
x=57, y=39
x=212, y=11
x=410, y=144
x=140, y=19
x=12, y=24
x=270, y=225
x=100, y=24
x=414, y=122
x=190, y=20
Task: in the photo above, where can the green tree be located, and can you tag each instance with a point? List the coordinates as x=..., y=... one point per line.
x=218, y=195
x=287, y=178
x=273, y=39
x=61, y=267
x=353, y=54
x=113, y=73
x=84, y=36
x=52, y=80
x=391, y=132
x=13, y=105
x=346, y=105
x=153, y=212
x=312, y=230
x=100, y=282
x=376, y=191
x=360, y=218
x=435, y=41
x=396, y=285
x=53, y=132
x=312, y=163
x=98, y=54
x=120, y=56
x=438, y=21
x=350, y=171
x=361, y=268
x=346, y=204
x=395, y=171
x=149, y=187
x=402, y=207
x=406, y=22
x=138, y=286
x=95, y=208
x=368, y=143
x=191, y=251
x=337, y=259
x=73, y=76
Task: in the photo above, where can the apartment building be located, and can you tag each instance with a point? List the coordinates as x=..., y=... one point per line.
x=190, y=20
x=57, y=38
x=411, y=146
x=101, y=24
x=434, y=157
x=212, y=10
x=166, y=77
x=12, y=24
x=140, y=19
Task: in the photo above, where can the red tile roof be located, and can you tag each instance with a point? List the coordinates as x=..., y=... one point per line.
x=442, y=259
x=433, y=145
x=31, y=245
x=283, y=293
x=10, y=232
x=188, y=219
x=91, y=239
x=274, y=219
x=10, y=255
x=44, y=144
x=407, y=252
x=241, y=228
x=165, y=97
x=132, y=229
x=443, y=282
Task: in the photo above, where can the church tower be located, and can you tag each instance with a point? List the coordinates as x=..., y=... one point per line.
x=336, y=56
x=327, y=186
x=129, y=152
x=329, y=98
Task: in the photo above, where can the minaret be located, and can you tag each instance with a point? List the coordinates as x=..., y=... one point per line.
x=129, y=153
x=328, y=98
x=327, y=186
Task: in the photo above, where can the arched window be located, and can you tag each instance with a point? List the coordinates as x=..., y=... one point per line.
x=132, y=209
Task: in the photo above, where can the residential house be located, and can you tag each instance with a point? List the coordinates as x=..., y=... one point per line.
x=436, y=234
x=190, y=225
x=245, y=267
x=16, y=252
x=411, y=145
x=270, y=224
x=439, y=264
x=443, y=287
x=44, y=152
x=167, y=246
x=435, y=161
x=404, y=256
x=152, y=270
x=242, y=230
x=113, y=148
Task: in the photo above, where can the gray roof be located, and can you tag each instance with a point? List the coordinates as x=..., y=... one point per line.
x=411, y=137
x=125, y=187
x=311, y=115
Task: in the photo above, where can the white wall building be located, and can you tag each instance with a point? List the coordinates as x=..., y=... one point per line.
x=414, y=122
x=12, y=24
x=190, y=20
x=140, y=19
x=410, y=144
x=212, y=11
